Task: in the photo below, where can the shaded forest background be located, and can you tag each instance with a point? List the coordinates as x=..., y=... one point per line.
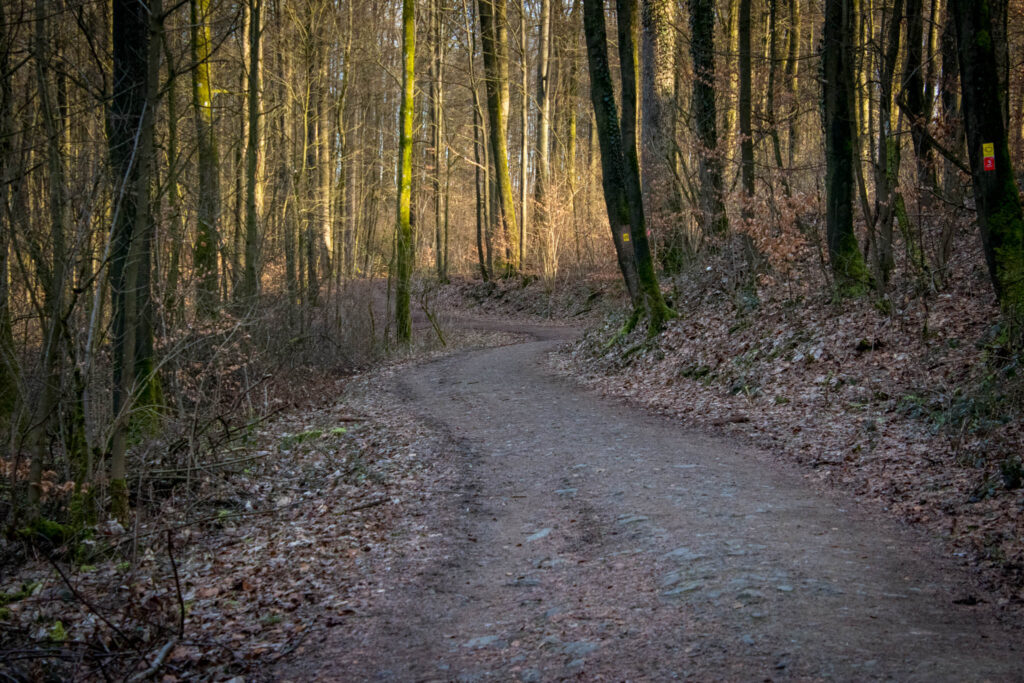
x=198, y=197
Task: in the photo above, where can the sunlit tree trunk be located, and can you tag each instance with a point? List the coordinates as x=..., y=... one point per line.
x=792, y=79
x=250, y=282
x=494, y=38
x=524, y=128
x=543, y=169
x=404, y=234
x=658, y=67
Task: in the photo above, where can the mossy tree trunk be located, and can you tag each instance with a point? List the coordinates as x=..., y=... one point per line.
x=995, y=191
x=494, y=39
x=403, y=229
x=837, y=71
x=629, y=59
x=609, y=139
x=620, y=160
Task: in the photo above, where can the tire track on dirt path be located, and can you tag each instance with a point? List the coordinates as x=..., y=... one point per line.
x=587, y=539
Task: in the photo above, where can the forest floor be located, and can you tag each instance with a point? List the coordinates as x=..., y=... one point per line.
x=480, y=512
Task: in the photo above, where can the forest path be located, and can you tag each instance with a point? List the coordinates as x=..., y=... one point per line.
x=582, y=538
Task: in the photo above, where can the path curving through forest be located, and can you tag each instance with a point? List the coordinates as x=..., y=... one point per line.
x=584, y=539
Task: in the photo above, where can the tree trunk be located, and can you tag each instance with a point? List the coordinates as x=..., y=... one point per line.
x=250, y=282
x=52, y=274
x=494, y=38
x=524, y=128
x=914, y=87
x=404, y=234
x=745, y=106
x=135, y=68
x=888, y=150
x=713, y=220
x=995, y=191
x=837, y=69
x=437, y=124
x=792, y=79
x=609, y=138
x=543, y=170
x=658, y=66
x=629, y=59
x=8, y=360
x=208, y=190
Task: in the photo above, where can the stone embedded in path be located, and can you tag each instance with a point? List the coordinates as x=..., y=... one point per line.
x=631, y=519
x=483, y=641
x=688, y=587
x=684, y=555
x=580, y=648
x=538, y=535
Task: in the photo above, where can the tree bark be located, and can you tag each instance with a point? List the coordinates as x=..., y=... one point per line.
x=995, y=191
x=8, y=360
x=609, y=139
x=208, y=189
x=658, y=66
x=745, y=106
x=494, y=39
x=404, y=233
x=792, y=79
x=250, y=282
x=837, y=70
x=543, y=169
x=712, y=216
x=629, y=60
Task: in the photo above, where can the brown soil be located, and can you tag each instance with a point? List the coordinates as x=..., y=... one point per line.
x=558, y=535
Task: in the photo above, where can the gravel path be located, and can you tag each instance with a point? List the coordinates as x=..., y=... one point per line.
x=581, y=538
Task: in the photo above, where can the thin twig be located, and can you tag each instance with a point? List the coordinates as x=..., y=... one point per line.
x=177, y=584
x=157, y=663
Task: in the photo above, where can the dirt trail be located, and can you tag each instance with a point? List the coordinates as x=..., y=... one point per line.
x=582, y=538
